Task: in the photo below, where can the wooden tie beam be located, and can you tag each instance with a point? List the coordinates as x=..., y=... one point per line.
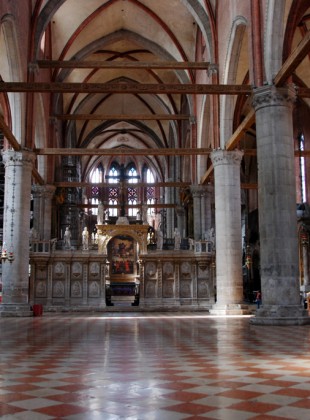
x=165, y=65
x=134, y=88
x=105, y=117
x=121, y=151
x=67, y=184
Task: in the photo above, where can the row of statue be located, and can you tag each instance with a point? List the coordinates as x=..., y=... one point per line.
x=85, y=239
x=159, y=238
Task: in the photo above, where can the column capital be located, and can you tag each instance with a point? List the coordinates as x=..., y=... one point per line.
x=45, y=191
x=197, y=190
x=180, y=211
x=49, y=191
x=226, y=157
x=37, y=190
x=267, y=96
x=20, y=157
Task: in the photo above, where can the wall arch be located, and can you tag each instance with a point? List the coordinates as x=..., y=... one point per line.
x=12, y=57
x=238, y=31
x=273, y=39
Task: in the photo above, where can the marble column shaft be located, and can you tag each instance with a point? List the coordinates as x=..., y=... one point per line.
x=228, y=227
x=169, y=213
x=15, y=275
x=42, y=210
x=180, y=212
x=196, y=193
x=277, y=204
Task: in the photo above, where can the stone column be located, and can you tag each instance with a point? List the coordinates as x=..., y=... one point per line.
x=181, y=220
x=203, y=211
x=38, y=211
x=305, y=265
x=196, y=193
x=48, y=195
x=208, y=206
x=170, y=212
x=42, y=210
x=229, y=282
x=277, y=208
x=15, y=274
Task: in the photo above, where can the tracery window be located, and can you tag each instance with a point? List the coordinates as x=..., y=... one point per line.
x=150, y=191
x=95, y=178
x=132, y=192
x=302, y=168
x=113, y=199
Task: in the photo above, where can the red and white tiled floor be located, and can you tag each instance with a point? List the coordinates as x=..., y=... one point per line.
x=150, y=366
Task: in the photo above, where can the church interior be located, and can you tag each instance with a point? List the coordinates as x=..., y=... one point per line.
x=155, y=157
x=154, y=209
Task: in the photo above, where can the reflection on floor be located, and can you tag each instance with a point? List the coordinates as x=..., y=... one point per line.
x=152, y=367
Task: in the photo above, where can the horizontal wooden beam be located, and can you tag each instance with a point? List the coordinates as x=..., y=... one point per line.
x=302, y=153
x=249, y=186
x=134, y=88
x=121, y=151
x=106, y=117
x=293, y=61
x=68, y=184
x=173, y=65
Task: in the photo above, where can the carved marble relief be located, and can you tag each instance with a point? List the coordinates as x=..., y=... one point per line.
x=168, y=289
x=41, y=273
x=76, y=289
x=94, y=289
x=77, y=270
x=150, y=289
x=94, y=269
x=185, y=269
x=150, y=269
x=168, y=272
x=58, y=289
x=203, y=288
x=185, y=289
x=41, y=289
x=59, y=270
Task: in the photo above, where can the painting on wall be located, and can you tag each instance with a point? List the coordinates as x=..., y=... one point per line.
x=122, y=255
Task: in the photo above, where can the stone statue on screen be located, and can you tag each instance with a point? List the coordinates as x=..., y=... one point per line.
x=159, y=239
x=177, y=239
x=100, y=214
x=85, y=239
x=67, y=238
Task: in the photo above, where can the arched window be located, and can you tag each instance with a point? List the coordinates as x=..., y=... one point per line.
x=302, y=168
x=150, y=191
x=113, y=199
x=132, y=192
x=95, y=178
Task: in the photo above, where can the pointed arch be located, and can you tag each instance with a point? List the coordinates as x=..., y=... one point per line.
x=13, y=59
x=238, y=32
x=273, y=39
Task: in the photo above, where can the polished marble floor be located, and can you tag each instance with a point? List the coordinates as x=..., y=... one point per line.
x=146, y=366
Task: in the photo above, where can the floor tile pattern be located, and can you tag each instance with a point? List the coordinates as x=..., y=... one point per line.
x=150, y=366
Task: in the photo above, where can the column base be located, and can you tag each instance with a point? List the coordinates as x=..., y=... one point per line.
x=15, y=310
x=231, y=309
x=281, y=315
